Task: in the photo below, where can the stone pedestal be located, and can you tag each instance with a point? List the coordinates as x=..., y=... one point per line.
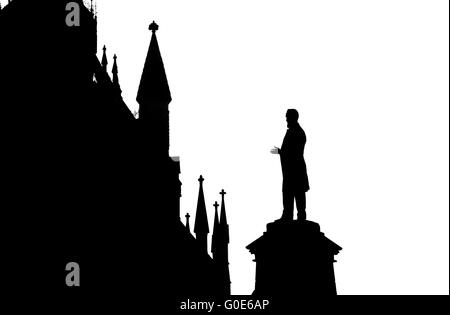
x=294, y=258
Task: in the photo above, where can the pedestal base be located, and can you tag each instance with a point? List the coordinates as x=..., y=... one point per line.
x=294, y=258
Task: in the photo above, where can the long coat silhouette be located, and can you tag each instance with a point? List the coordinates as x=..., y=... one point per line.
x=293, y=163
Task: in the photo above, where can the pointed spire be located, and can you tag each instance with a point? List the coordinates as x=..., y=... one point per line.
x=115, y=72
x=201, y=228
x=219, y=249
x=104, y=59
x=201, y=218
x=153, y=89
x=154, y=98
x=223, y=219
x=188, y=225
x=216, y=232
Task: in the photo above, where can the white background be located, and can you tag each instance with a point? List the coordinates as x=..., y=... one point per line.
x=370, y=80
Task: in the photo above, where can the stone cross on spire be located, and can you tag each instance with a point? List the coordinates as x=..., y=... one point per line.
x=216, y=205
x=223, y=193
x=153, y=27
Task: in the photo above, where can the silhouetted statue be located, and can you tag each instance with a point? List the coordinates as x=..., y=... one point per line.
x=295, y=177
x=294, y=258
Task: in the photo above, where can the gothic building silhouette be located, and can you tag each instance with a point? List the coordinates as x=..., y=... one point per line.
x=84, y=180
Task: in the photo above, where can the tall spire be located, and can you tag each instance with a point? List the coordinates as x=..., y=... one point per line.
x=223, y=220
x=221, y=252
x=201, y=228
x=115, y=72
x=154, y=97
x=216, y=232
x=104, y=59
x=154, y=87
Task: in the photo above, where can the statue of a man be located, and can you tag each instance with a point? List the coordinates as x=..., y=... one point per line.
x=295, y=177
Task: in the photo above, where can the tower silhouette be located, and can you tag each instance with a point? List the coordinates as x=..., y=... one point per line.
x=154, y=96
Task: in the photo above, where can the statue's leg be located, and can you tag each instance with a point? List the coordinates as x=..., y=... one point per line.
x=288, y=202
x=300, y=198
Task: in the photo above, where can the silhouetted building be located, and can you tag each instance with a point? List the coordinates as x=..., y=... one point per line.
x=86, y=181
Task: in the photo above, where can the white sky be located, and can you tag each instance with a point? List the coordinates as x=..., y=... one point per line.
x=370, y=79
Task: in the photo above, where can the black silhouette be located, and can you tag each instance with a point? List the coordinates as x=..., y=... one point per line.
x=220, y=241
x=201, y=228
x=295, y=177
x=84, y=180
x=294, y=258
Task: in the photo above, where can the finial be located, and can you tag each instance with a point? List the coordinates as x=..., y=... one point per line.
x=104, y=58
x=188, y=227
x=115, y=70
x=153, y=27
x=216, y=205
x=115, y=63
x=201, y=179
x=223, y=193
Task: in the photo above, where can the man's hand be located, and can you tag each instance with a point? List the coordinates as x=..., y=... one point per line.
x=275, y=150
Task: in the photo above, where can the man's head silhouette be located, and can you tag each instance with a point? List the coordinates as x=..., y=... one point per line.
x=292, y=117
